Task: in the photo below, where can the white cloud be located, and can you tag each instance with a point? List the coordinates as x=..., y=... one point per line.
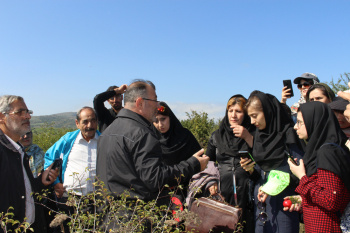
x=215, y=111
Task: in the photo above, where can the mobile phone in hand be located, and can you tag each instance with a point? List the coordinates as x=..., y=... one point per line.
x=291, y=157
x=56, y=163
x=288, y=83
x=245, y=154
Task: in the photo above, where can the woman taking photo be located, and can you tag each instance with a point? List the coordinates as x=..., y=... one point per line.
x=324, y=172
x=234, y=135
x=274, y=139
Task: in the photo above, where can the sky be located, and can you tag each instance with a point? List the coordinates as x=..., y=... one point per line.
x=58, y=54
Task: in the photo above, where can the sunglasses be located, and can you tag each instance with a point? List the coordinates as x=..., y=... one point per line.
x=262, y=215
x=305, y=84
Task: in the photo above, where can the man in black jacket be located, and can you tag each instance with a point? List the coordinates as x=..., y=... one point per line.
x=16, y=179
x=114, y=96
x=129, y=155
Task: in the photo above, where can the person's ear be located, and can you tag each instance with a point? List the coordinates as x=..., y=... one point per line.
x=2, y=118
x=139, y=102
x=77, y=123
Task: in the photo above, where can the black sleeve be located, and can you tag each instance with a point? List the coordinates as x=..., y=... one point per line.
x=211, y=148
x=151, y=169
x=99, y=105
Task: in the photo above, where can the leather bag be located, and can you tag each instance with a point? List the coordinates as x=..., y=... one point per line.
x=215, y=216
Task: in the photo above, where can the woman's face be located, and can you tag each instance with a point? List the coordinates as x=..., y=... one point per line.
x=300, y=127
x=257, y=117
x=235, y=115
x=317, y=95
x=304, y=86
x=341, y=119
x=162, y=123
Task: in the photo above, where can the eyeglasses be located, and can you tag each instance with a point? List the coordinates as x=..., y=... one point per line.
x=21, y=112
x=305, y=84
x=263, y=215
x=151, y=100
x=299, y=123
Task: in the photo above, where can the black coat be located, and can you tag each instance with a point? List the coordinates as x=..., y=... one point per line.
x=129, y=155
x=12, y=180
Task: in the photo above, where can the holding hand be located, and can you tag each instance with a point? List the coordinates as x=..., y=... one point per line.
x=296, y=203
x=262, y=195
x=59, y=189
x=51, y=174
x=298, y=171
x=213, y=189
x=241, y=132
x=285, y=94
x=247, y=165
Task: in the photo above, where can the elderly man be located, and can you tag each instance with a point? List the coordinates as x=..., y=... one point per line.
x=77, y=149
x=114, y=96
x=16, y=179
x=130, y=155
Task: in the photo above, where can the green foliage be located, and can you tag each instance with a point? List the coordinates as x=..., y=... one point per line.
x=341, y=84
x=201, y=126
x=8, y=224
x=46, y=135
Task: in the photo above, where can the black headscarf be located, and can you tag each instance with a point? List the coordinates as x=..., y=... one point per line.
x=178, y=143
x=227, y=142
x=270, y=143
x=326, y=142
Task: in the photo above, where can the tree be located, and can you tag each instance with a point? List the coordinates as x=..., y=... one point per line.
x=201, y=126
x=341, y=84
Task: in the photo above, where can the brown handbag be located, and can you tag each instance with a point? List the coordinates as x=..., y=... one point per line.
x=215, y=216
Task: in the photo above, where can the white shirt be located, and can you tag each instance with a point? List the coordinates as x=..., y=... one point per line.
x=29, y=208
x=81, y=166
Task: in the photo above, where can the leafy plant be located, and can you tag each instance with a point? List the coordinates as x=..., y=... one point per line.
x=341, y=84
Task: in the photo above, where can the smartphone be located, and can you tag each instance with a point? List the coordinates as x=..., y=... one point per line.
x=56, y=163
x=288, y=83
x=245, y=154
x=291, y=157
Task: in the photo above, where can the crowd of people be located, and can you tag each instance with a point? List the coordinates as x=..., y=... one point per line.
x=298, y=153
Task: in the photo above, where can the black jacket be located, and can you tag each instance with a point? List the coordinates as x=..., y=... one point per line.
x=129, y=156
x=105, y=116
x=12, y=180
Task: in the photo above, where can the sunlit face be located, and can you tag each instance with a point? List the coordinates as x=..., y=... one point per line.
x=162, y=123
x=257, y=117
x=304, y=86
x=27, y=139
x=116, y=102
x=16, y=121
x=347, y=113
x=87, y=124
x=150, y=106
x=300, y=127
x=235, y=115
x=341, y=119
x=317, y=95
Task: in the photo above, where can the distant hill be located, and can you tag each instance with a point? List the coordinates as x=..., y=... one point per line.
x=59, y=120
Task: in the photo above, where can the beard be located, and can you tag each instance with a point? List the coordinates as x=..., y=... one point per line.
x=19, y=127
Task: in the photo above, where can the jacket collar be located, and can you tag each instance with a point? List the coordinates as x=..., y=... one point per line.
x=126, y=113
x=5, y=142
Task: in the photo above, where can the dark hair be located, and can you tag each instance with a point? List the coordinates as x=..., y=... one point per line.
x=324, y=88
x=138, y=88
x=163, y=109
x=111, y=88
x=83, y=108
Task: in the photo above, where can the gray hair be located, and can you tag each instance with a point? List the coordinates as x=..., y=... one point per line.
x=138, y=88
x=6, y=101
x=83, y=108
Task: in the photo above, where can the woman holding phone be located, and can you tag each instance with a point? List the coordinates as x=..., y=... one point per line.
x=235, y=134
x=274, y=137
x=324, y=172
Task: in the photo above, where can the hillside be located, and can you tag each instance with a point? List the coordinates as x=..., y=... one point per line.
x=59, y=120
